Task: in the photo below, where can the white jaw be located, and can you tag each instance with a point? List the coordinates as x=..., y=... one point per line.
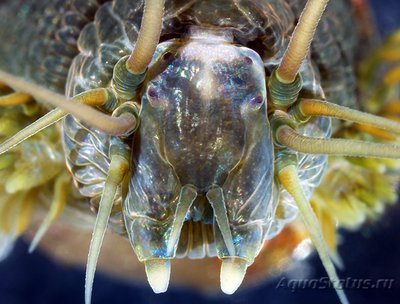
x=233, y=270
x=158, y=272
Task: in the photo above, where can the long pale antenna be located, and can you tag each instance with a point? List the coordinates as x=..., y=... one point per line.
x=118, y=168
x=15, y=99
x=149, y=36
x=313, y=107
x=37, y=126
x=288, y=137
x=300, y=42
x=111, y=125
x=96, y=97
x=288, y=176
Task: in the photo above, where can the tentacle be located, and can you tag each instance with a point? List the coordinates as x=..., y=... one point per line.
x=149, y=35
x=118, y=168
x=285, y=82
x=110, y=125
x=97, y=97
x=288, y=137
x=289, y=179
x=15, y=99
x=39, y=125
x=311, y=107
x=301, y=40
x=376, y=132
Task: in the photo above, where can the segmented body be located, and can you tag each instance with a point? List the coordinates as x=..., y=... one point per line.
x=351, y=191
x=86, y=38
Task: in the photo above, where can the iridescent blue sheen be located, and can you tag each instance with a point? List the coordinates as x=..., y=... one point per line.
x=203, y=124
x=203, y=142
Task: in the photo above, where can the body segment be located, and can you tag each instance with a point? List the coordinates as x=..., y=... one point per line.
x=202, y=179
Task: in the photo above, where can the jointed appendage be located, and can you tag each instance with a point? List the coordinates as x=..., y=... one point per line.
x=149, y=36
x=110, y=125
x=301, y=40
x=15, y=99
x=284, y=86
x=118, y=168
x=127, y=78
x=288, y=176
x=287, y=113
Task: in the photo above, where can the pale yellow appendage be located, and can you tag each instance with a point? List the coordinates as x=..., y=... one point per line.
x=61, y=190
x=15, y=99
x=118, y=168
x=95, y=97
x=103, y=122
x=301, y=40
x=16, y=213
x=289, y=179
x=149, y=36
x=288, y=137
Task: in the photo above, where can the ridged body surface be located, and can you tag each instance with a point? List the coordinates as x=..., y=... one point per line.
x=67, y=52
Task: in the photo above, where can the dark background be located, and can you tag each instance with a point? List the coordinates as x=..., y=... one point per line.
x=370, y=253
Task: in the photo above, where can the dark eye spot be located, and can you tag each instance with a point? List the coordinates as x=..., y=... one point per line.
x=168, y=56
x=258, y=100
x=155, y=97
x=152, y=93
x=248, y=60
